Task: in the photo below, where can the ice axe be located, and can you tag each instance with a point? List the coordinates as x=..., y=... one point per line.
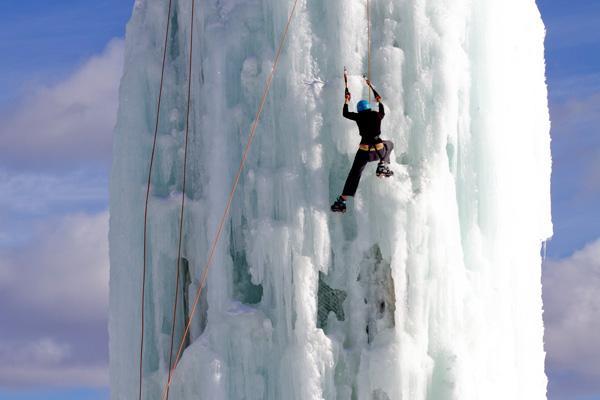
x=368, y=82
x=347, y=92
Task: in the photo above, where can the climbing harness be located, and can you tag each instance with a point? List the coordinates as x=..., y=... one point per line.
x=370, y=147
x=162, y=75
x=221, y=225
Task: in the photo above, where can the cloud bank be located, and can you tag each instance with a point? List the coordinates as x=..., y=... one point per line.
x=68, y=123
x=572, y=319
x=54, y=291
x=63, y=270
x=55, y=149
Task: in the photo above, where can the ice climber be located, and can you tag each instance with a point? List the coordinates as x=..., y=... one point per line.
x=371, y=148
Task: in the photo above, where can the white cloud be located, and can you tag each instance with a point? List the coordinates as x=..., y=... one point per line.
x=30, y=375
x=44, y=351
x=54, y=261
x=63, y=270
x=44, y=362
x=572, y=314
x=40, y=193
x=70, y=121
x=61, y=279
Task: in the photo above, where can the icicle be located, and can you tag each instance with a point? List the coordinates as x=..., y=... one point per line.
x=397, y=298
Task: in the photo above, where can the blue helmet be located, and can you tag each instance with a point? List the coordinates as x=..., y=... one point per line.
x=363, y=105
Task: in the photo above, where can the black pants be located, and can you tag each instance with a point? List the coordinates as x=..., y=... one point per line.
x=362, y=158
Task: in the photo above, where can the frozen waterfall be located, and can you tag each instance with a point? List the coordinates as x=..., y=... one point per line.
x=427, y=289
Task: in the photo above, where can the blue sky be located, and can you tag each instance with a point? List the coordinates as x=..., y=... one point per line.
x=44, y=41
x=55, y=51
x=573, y=70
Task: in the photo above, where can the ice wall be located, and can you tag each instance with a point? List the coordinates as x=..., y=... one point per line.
x=428, y=288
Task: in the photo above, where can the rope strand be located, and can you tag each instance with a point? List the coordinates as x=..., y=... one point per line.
x=232, y=193
x=162, y=76
x=181, y=214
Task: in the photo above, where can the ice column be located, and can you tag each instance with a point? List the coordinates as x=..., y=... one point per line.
x=427, y=289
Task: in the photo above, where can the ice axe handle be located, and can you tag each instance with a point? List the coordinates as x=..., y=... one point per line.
x=347, y=92
x=377, y=96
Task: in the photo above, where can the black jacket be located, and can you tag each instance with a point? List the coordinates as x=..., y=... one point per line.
x=369, y=123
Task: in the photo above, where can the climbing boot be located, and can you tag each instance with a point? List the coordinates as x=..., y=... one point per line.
x=383, y=171
x=339, y=205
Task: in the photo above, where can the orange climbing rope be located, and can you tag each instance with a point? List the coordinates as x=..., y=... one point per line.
x=162, y=75
x=221, y=225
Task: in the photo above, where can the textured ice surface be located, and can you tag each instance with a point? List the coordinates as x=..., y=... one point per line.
x=427, y=289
